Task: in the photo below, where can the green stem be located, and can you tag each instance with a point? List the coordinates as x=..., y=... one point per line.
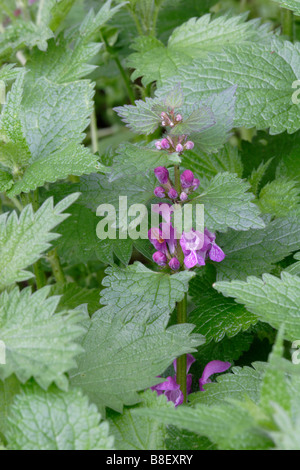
x=177, y=179
x=40, y=277
x=181, y=361
x=287, y=21
x=126, y=79
x=94, y=132
x=136, y=20
x=54, y=261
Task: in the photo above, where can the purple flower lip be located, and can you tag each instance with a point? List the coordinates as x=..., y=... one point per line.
x=162, y=174
x=197, y=247
x=213, y=367
x=171, y=389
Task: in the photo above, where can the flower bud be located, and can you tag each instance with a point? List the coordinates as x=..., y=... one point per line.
x=159, y=258
x=174, y=264
x=189, y=145
x=158, y=144
x=159, y=192
x=179, y=148
x=161, y=174
x=173, y=194
x=187, y=178
x=183, y=196
x=196, y=184
x=165, y=144
x=178, y=118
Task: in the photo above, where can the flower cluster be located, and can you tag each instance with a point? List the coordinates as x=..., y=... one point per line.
x=197, y=247
x=171, y=389
x=181, y=144
x=188, y=184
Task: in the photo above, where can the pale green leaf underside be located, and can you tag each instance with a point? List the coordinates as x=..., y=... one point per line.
x=56, y=420
x=275, y=301
x=263, y=75
x=255, y=252
x=23, y=239
x=227, y=204
x=38, y=342
x=134, y=432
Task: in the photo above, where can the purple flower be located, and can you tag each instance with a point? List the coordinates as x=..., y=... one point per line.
x=179, y=148
x=164, y=209
x=165, y=144
x=170, y=387
x=163, y=239
x=178, y=117
x=213, y=367
x=189, y=145
x=196, y=184
x=159, y=258
x=159, y=192
x=161, y=174
x=197, y=247
x=174, y=264
x=173, y=194
x=187, y=179
x=183, y=196
x=158, y=144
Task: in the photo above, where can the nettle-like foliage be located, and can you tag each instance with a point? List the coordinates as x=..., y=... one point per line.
x=112, y=340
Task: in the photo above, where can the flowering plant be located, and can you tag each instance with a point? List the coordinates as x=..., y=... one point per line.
x=149, y=225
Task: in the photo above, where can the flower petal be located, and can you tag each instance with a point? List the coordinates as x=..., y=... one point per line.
x=213, y=367
x=216, y=253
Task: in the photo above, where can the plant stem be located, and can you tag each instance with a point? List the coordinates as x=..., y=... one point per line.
x=181, y=361
x=54, y=261
x=177, y=179
x=287, y=21
x=94, y=132
x=126, y=79
x=40, y=277
x=136, y=20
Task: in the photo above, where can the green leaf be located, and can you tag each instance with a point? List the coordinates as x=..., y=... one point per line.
x=38, y=342
x=69, y=59
x=23, y=239
x=133, y=432
x=79, y=242
x=257, y=176
x=123, y=356
x=255, y=252
x=65, y=421
x=207, y=166
x=275, y=388
x=294, y=269
x=6, y=180
x=290, y=5
x=127, y=342
x=132, y=159
x=228, y=426
x=8, y=389
x=286, y=436
x=72, y=295
x=179, y=439
x=275, y=301
x=216, y=316
x=72, y=159
x=242, y=382
x=139, y=287
x=279, y=197
x=227, y=204
x=263, y=75
x=192, y=40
